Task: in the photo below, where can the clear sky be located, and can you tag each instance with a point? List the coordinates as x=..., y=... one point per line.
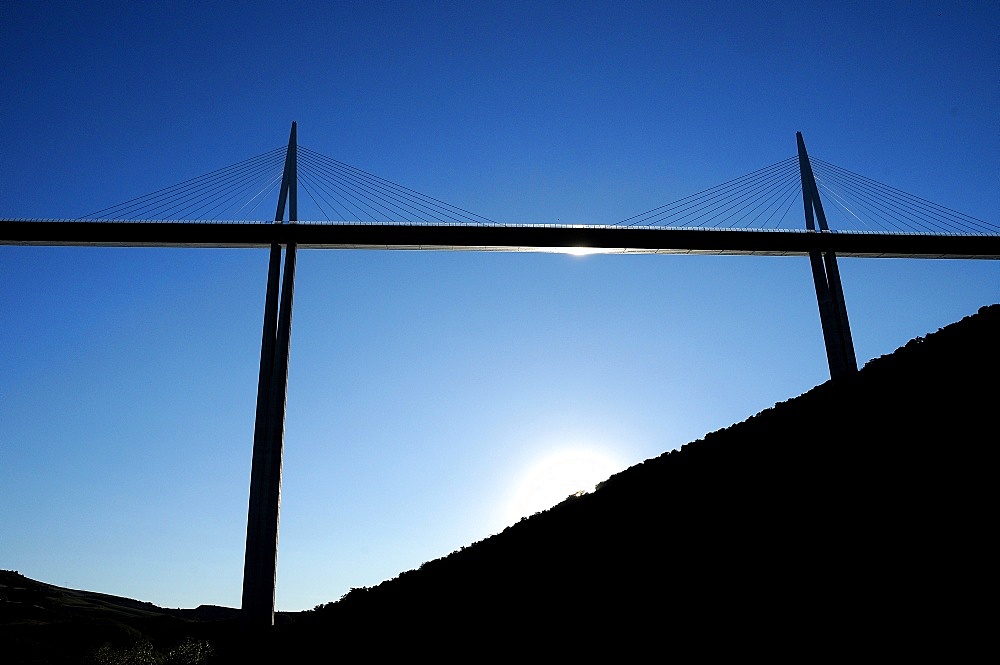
x=428, y=391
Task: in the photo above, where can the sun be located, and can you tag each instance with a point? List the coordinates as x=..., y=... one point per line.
x=556, y=477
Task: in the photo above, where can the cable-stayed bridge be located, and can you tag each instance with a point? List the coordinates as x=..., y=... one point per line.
x=347, y=208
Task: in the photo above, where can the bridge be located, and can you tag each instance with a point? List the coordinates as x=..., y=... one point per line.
x=744, y=216
x=498, y=238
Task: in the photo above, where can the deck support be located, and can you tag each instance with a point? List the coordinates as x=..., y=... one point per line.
x=826, y=275
x=260, y=564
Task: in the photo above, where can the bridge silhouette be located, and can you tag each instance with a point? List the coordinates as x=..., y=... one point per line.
x=745, y=216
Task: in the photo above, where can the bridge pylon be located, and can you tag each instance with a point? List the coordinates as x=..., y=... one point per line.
x=260, y=565
x=826, y=275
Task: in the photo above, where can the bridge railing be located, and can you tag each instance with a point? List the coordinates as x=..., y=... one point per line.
x=496, y=225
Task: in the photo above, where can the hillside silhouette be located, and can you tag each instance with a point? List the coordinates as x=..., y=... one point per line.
x=854, y=520
x=855, y=514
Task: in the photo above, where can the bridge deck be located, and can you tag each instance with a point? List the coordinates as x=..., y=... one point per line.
x=498, y=238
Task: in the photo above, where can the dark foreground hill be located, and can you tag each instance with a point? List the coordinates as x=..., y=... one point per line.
x=856, y=516
x=853, y=521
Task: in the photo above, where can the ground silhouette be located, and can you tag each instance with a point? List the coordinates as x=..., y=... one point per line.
x=853, y=520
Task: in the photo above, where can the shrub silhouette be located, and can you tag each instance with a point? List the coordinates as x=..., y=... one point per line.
x=189, y=652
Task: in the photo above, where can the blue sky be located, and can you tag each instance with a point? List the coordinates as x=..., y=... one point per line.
x=427, y=388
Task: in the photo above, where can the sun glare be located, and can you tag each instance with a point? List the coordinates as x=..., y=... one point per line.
x=578, y=251
x=583, y=251
x=556, y=477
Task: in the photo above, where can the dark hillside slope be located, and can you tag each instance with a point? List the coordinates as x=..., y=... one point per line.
x=856, y=516
x=51, y=625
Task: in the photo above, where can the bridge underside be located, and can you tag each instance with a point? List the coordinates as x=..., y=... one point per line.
x=510, y=238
